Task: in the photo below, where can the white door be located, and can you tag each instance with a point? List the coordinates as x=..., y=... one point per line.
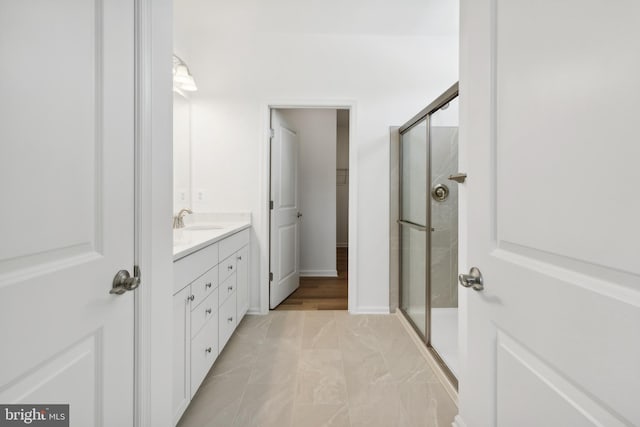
x=285, y=224
x=66, y=223
x=550, y=101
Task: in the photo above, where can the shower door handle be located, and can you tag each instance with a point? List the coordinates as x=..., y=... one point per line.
x=458, y=177
x=472, y=280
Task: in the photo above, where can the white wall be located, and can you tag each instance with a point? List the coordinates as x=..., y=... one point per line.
x=342, y=187
x=316, y=129
x=390, y=58
x=181, y=152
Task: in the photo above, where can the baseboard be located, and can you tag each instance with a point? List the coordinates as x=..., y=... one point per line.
x=457, y=422
x=444, y=380
x=370, y=310
x=342, y=245
x=255, y=311
x=318, y=273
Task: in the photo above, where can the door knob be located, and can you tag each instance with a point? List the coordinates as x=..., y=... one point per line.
x=440, y=193
x=299, y=215
x=123, y=281
x=472, y=280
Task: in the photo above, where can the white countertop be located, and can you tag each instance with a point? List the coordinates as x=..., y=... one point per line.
x=198, y=235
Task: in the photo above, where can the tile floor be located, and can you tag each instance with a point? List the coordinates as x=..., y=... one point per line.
x=320, y=368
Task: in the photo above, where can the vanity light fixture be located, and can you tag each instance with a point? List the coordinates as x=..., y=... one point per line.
x=182, y=78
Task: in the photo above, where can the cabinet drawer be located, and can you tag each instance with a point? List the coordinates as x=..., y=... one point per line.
x=203, y=286
x=233, y=243
x=227, y=319
x=204, y=312
x=204, y=351
x=227, y=268
x=227, y=288
x=187, y=269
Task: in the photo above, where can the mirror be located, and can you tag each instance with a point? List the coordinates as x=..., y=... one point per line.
x=181, y=152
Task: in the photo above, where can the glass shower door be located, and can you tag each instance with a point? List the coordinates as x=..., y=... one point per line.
x=443, y=271
x=413, y=225
x=429, y=227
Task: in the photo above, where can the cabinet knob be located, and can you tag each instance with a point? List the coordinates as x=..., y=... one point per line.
x=208, y=350
x=230, y=288
x=239, y=257
x=208, y=311
x=208, y=285
x=230, y=267
x=191, y=297
x=230, y=319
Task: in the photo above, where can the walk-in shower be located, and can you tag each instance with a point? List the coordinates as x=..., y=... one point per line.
x=429, y=180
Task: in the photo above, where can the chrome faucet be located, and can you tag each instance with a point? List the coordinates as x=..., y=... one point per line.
x=178, y=221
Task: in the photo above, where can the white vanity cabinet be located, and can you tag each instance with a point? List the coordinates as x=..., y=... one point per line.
x=210, y=298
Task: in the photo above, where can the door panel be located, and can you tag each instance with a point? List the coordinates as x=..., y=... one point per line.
x=414, y=167
x=413, y=276
x=548, y=101
x=443, y=271
x=285, y=225
x=66, y=164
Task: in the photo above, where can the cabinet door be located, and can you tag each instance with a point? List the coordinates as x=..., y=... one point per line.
x=227, y=320
x=181, y=353
x=204, y=351
x=242, y=281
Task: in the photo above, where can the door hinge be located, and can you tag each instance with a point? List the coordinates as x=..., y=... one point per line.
x=270, y=204
x=270, y=277
x=272, y=133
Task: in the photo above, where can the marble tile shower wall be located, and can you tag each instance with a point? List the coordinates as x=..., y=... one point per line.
x=444, y=218
x=312, y=369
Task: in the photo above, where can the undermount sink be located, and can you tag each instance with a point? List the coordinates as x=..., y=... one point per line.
x=203, y=227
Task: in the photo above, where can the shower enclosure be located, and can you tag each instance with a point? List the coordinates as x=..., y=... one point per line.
x=429, y=182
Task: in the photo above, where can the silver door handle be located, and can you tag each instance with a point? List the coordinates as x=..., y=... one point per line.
x=458, y=177
x=472, y=280
x=123, y=281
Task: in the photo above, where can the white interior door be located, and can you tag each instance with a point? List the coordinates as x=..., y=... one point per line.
x=66, y=223
x=285, y=224
x=550, y=100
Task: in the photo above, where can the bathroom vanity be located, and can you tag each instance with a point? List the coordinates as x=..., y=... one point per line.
x=211, y=295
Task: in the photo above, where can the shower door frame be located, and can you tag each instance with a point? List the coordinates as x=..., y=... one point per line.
x=424, y=115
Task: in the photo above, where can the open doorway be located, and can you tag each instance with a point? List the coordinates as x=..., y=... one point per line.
x=309, y=215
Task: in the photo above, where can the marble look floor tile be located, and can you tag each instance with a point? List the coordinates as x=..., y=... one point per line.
x=375, y=405
x=253, y=328
x=357, y=343
x=266, y=405
x=237, y=355
x=321, y=378
x=427, y=405
x=321, y=416
x=277, y=363
x=369, y=368
x=405, y=362
x=286, y=324
x=216, y=403
x=319, y=330
x=361, y=323
x=274, y=371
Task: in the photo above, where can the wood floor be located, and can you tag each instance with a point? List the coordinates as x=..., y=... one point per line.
x=322, y=293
